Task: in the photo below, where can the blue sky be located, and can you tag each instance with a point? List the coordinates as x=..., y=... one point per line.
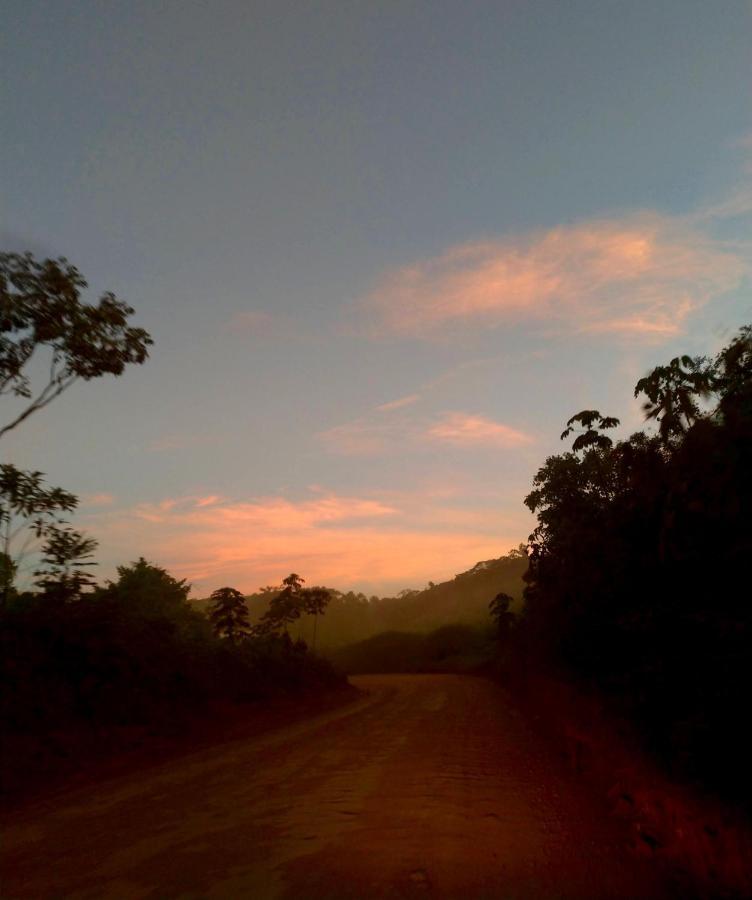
x=385, y=251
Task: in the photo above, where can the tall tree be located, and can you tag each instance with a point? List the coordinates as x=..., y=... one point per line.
x=228, y=613
x=284, y=607
x=315, y=602
x=290, y=603
x=41, y=307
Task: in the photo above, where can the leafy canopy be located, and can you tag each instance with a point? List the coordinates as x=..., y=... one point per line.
x=291, y=602
x=41, y=307
x=33, y=521
x=150, y=589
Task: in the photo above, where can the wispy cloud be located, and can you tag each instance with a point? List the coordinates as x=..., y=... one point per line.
x=641, y=275
x=365, y=436
x=210, y=500
x=399, y=404
x=467, y=430
x=376, y=434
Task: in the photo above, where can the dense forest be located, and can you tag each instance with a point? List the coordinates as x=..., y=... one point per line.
x=638, y=585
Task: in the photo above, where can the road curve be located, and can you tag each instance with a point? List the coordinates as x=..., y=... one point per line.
x=427, y=786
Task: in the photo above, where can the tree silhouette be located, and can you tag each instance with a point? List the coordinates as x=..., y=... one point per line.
x=228, y=613
x=290, y=603
x=590, y=434
x=315, y=602
x=30, y=514
x=672, y=393
x=731, y=379
x=294, y=583
x=149, y=590
x=284, y=607
x=40, y=306
x=65, y=556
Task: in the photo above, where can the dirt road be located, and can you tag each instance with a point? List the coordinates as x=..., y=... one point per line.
x=430, y=785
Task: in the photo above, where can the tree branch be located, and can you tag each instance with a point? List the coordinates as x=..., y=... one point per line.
x=44, y=399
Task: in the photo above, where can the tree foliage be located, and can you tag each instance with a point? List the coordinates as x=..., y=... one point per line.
x=33, y=520
x=41, y=307
x=149, y=593
x=228, y=613
x=66, y=555
x=638, y=561
x=291, y=601
x=673, y=394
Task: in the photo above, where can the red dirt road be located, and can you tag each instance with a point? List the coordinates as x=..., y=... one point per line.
x=428, y=786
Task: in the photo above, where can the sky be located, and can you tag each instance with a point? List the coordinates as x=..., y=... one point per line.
x=384, y=249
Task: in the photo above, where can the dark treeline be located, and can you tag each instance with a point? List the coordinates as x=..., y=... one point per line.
x=136, y=651
x=639, y=581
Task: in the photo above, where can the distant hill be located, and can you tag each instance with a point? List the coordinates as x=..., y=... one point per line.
x=464, y=600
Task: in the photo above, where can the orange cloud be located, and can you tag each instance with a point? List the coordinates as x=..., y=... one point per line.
x=270, y=513
x=340, y=541
x=643, y=275
x=469, y=430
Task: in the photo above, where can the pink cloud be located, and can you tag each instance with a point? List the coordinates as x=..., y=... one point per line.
x=469, y=430
x=341, y=541
x=642, y=275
